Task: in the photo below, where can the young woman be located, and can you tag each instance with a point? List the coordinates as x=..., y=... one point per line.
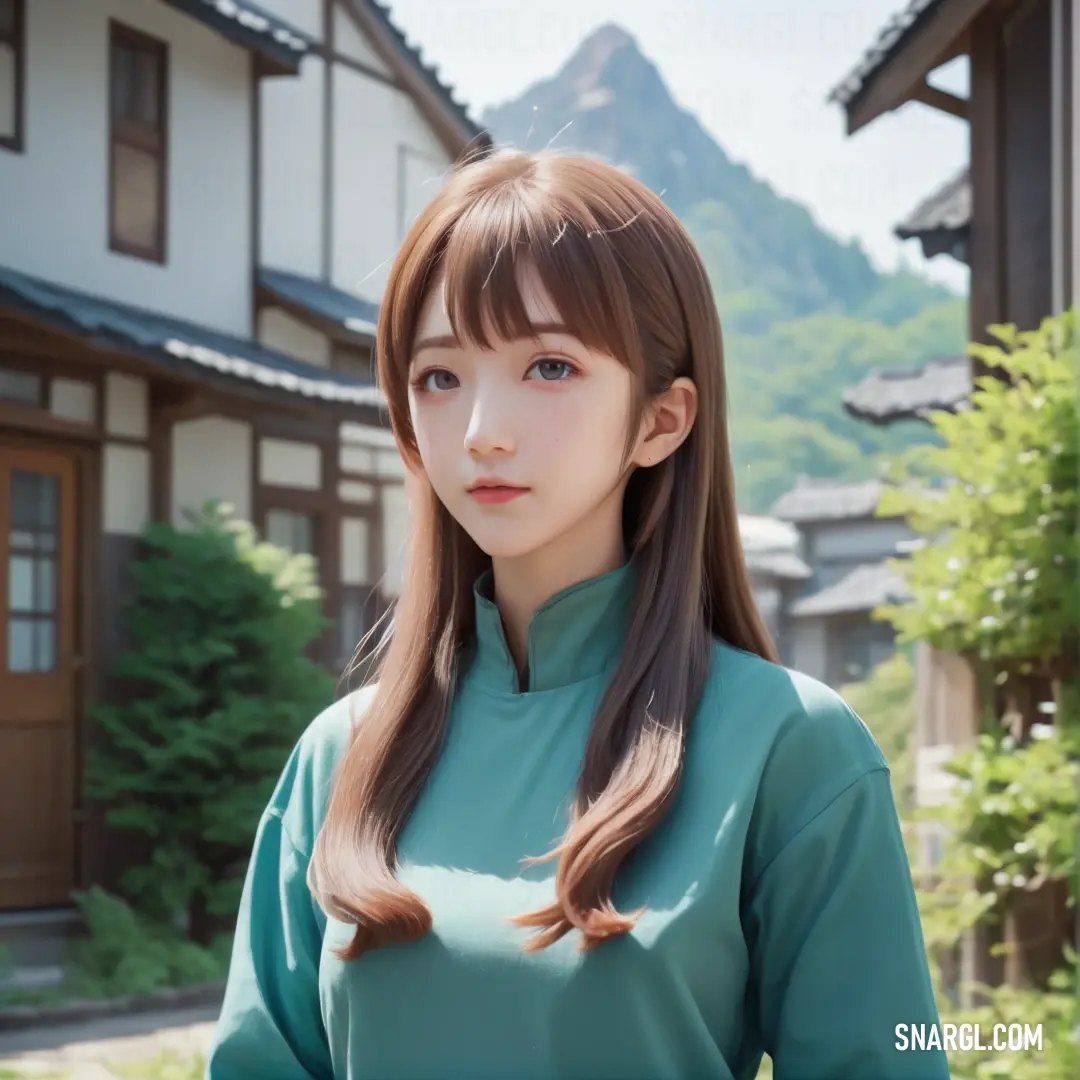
x=583, y=824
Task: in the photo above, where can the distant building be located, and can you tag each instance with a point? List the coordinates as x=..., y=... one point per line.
x=942, y=222
x=889, y=395
x=847, y=547
x=772, y=549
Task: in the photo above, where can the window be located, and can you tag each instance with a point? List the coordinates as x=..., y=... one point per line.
x=23, y=387
x=138, y=136
x=291, y=530
x=12, y=72
x=354, y=622
x=31, y=585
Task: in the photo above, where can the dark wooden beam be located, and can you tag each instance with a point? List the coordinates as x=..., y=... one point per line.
x=894, y=83
x=943, y=100
x=986, y=304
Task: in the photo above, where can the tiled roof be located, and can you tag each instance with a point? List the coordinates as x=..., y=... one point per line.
x=827, y=500
x=948, y=208
x=430, y=72
x=942, y=221
x=889, y=41
x=778, y=564
x=862, y=589
x=251, y=27
x=175, y=344
x=759, y=533
x=771, y=547
x=324, y=301
x=887, y=396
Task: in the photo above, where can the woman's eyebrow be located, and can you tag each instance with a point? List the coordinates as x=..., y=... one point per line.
x=449, y=341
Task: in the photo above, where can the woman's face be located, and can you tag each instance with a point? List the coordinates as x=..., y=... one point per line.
x=544, y=418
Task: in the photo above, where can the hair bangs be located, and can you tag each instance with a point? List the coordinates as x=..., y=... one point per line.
x=508, y=241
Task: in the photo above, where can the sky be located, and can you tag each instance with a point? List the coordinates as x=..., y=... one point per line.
x=756, y=73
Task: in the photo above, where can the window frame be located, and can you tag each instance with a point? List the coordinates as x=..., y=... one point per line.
x=20, y=365
x=270, y=497
x=286, y=506
x=16, y=143
x=120, y=34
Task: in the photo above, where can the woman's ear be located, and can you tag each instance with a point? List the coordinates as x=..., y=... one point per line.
x=667, y=422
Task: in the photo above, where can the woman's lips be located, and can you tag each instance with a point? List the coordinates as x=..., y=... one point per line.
x=496, y=493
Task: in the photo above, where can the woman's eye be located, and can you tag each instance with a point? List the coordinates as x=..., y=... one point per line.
x=553, y=370
x=438, y=381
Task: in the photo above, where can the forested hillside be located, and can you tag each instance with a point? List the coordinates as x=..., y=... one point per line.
x=805, y=314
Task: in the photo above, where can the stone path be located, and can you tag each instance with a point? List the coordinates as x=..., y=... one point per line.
x=83, y=1052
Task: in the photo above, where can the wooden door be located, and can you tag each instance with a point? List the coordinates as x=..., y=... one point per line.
x=37, y=677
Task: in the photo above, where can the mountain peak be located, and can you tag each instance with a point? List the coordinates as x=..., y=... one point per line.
x=608, y=59
x=605, y=40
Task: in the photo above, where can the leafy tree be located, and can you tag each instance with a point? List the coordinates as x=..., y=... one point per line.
x=1001, y=579
x=1013, y=819
x=997, y=581
x=216, y=688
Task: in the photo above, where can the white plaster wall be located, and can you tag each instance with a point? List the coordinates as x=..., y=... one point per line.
x=422, y=174
x=388, y=464
x=127, y=406
x=73, y=399
x=355, y=551
x=395, y=507
x=287, y=463
x=355, y=491
x=291, y=195
x=366, y=435
x=349, y=40
x=211, y=459
x=125, y=489
x=371, y=196
x=60, y=184
x=279, y=330
x=305, y=15
x=357, y=459
x=369, y=451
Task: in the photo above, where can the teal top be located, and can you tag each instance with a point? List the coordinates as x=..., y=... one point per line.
x=781, y=914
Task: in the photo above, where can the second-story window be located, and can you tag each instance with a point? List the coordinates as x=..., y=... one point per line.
x=138, y=137
x=12, y=68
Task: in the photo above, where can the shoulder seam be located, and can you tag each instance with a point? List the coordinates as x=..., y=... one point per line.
x=853, y=777
x=275, y=812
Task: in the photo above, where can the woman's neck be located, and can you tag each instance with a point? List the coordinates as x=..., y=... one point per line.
x=525, y=583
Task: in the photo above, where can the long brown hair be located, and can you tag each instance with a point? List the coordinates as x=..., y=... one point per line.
x=627, y=280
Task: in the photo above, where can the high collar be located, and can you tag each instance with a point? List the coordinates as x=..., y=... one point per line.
x=576, y=634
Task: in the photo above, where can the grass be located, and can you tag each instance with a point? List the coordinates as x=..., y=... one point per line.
x=166, y=1066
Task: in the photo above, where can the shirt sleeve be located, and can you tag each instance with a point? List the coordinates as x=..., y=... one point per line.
x=271, y=1022
x=837, y=947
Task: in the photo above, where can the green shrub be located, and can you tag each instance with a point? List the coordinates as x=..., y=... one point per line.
x=216, y=688
x=126, y=954
x=1054, y=1010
